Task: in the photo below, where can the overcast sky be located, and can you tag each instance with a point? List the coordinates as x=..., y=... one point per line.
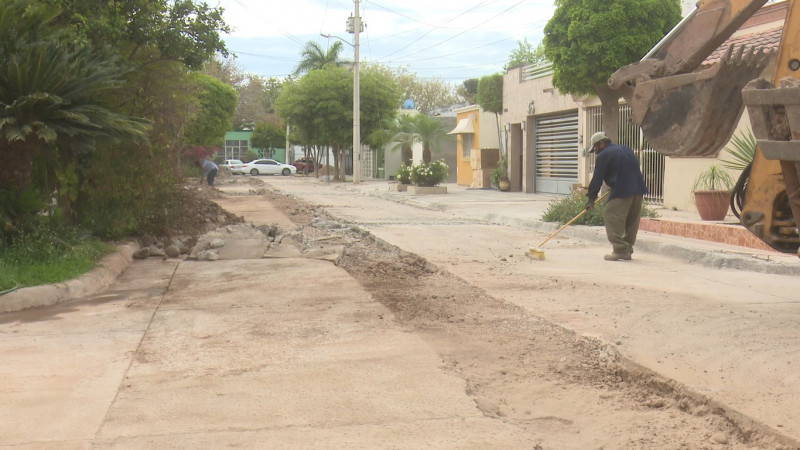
x=448, y=40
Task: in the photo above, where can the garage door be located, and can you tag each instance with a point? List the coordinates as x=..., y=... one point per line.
x=556, y=153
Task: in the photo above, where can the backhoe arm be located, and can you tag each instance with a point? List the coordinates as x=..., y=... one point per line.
x=685, y=113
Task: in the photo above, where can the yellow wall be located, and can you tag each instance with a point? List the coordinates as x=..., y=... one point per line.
x=464, y=169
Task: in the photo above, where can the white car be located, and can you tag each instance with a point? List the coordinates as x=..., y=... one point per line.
x=268, y=167
x=233, y=165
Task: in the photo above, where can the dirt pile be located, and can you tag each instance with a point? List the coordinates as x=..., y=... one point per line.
x=198, y=215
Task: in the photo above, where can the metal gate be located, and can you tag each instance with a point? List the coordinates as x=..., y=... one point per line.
x=651, y=162
x=368, y=163
x=556, y=150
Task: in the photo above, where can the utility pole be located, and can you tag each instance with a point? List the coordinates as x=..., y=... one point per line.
x=356, y=98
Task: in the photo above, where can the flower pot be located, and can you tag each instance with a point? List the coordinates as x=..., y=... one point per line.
x=712, y=205
x=399, y=187
x=503, y=184
x=423, y=190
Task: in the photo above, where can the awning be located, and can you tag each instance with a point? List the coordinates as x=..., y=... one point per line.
x=464, y=126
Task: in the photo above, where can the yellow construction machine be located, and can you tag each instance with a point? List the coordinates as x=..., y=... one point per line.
x=688, y=113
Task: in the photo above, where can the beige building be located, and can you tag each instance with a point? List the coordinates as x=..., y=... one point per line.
x=477, y=146
x=548, y=131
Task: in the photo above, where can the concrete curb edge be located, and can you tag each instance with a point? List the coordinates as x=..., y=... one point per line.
x=92, y=282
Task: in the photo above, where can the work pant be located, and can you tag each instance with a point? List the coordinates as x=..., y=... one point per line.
x=621, y=220
x=210, y=177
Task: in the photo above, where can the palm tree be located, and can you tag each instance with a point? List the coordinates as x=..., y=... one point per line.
x=404, y=129
x=429, y=131
x=314, y=58
x=50, y=96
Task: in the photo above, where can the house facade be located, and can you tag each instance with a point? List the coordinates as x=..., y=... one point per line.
x=477, y=146
x=547, y=132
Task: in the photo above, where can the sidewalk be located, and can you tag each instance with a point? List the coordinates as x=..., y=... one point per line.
x=680, y=234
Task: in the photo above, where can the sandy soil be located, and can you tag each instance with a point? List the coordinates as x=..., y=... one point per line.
x=567, y=391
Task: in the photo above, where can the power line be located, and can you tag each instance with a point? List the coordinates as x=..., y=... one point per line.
x=433, y=27
x=465, y=31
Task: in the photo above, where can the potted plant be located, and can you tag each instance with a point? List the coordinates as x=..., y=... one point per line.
x=712, y=191
x=499, y=175
x=403, y=178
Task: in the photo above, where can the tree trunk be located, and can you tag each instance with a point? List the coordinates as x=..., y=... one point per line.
x=17, y=164
x=426, y=154
x=609, y=100
x=499, y=135
x=407, y=154
x=336, y=162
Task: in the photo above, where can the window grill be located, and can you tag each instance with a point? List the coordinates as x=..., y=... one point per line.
x=650, y=161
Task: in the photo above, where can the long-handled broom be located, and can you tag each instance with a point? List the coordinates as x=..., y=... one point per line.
x=538, y=253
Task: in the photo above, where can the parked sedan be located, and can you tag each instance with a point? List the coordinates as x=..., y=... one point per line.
x=306, y=165
x=268, y=167
x=233, y=165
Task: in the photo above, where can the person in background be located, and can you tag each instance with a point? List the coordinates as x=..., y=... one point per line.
x=617, y=166
x=209, y=170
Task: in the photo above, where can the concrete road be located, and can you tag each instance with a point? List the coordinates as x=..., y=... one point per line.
x=731, y=335
x=234, y=352
x=238, y=352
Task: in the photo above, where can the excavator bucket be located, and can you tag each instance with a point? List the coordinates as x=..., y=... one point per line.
x=695, y=114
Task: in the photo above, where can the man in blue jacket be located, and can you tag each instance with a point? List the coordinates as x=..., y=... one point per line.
x=617, y=166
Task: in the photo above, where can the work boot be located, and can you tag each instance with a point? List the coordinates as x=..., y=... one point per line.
x=617, y=257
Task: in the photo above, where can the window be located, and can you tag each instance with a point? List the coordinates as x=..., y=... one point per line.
x=235, y=148
x=466, y=145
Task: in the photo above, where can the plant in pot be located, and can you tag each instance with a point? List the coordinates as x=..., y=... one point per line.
x=499, y=175
x=428, y=175
x=712, y=191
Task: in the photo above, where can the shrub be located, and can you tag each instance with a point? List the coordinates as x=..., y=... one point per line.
x=562, y=210
x=48, y=254
x=427, y=175
x=403, y=174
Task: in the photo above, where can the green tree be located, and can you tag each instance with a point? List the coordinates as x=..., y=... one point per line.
x=428, y=95
x=157, y=43
x=319, y=107
x=490, y=98
x=468, y=90
x=313, y=57
x=268, y=137
x=404, y=137
x=587, y=40
x=251, y=109
x=429, y=131
x=525, y=53
x=52, y=94
x=216, y=104
x=379, y=99
x=146, y=32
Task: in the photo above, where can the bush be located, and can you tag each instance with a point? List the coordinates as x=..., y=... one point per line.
x=427, y=175
x=48, y=254
x=403, y=174
x=131, y=191
x=565, y=209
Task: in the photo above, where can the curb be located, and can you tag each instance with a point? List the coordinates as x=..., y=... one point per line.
x=718, y=259
x=92, y=282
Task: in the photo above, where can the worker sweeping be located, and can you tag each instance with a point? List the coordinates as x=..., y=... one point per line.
x=617, y=166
